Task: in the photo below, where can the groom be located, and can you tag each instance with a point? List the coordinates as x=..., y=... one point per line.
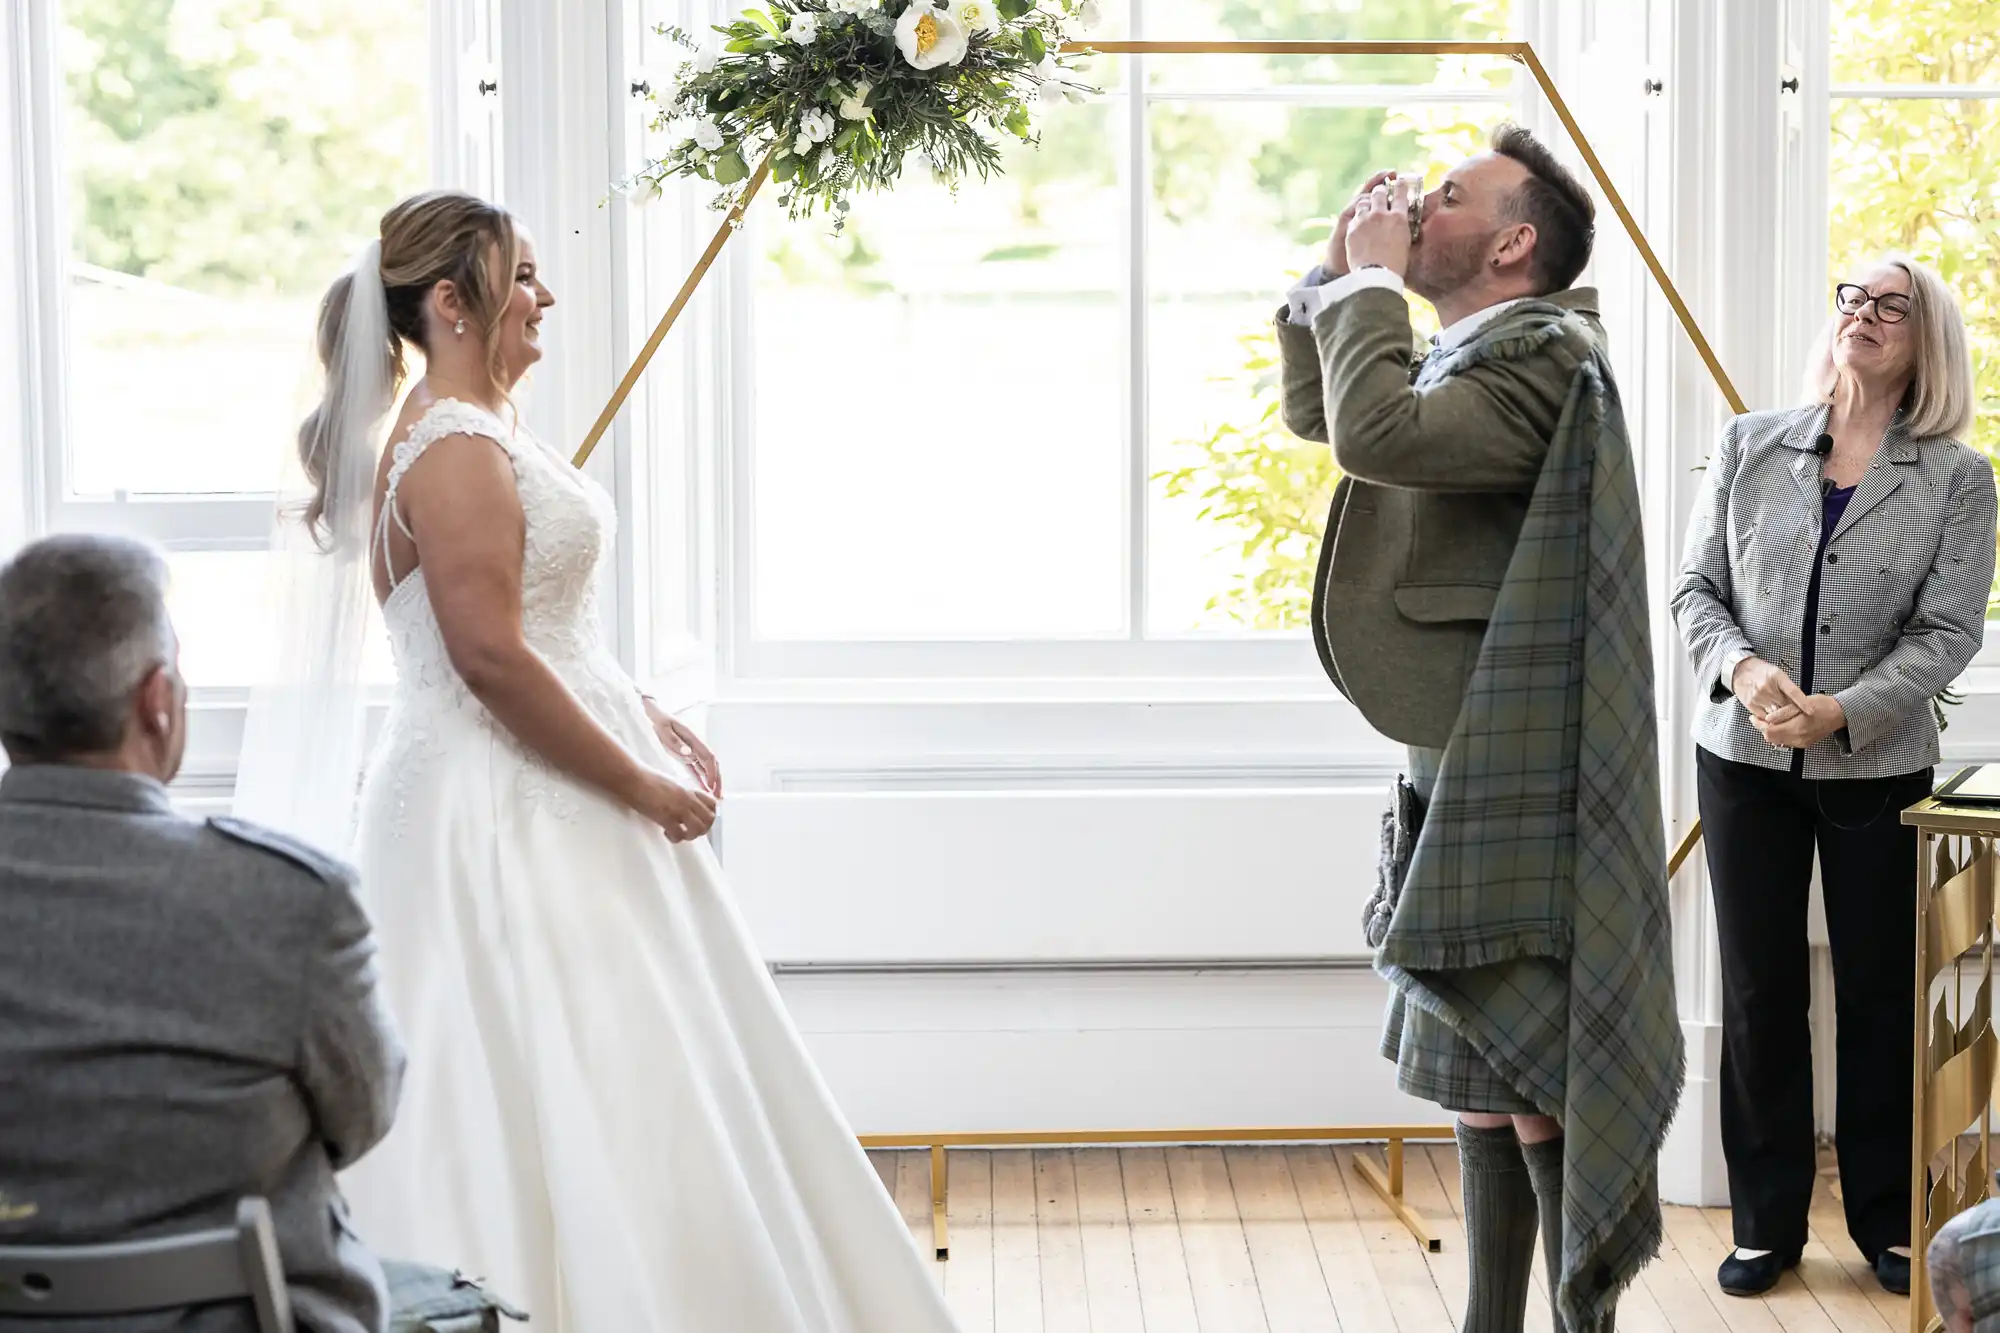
x=1441, y=457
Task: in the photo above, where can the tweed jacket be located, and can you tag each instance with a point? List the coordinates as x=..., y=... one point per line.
x=1902, y=598
x=1437, y=476
x=188, y=1014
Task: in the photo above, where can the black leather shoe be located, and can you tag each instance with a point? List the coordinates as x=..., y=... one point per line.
x=1754, y=1277
x=1892, y=1270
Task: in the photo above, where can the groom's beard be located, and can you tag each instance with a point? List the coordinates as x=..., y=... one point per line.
x=1439, y=270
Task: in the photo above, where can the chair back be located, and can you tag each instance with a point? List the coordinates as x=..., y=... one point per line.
x=237, y=1263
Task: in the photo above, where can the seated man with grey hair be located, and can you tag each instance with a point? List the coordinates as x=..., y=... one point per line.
x=188, y=1011
x=1964, y=1261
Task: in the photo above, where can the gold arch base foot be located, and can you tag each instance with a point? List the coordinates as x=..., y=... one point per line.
x=1389, y=1184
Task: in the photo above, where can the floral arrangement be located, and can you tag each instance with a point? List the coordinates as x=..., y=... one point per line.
x=839, y=94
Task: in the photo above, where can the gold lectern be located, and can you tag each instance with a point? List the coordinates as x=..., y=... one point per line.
x=1952, y=1075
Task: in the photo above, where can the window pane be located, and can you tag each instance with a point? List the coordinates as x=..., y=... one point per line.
x=1916, y=175
x=1344, y=20
x=1240, y=198
x=224, y=159
x=207, y=598
x=1914, y=41
x=940, y=404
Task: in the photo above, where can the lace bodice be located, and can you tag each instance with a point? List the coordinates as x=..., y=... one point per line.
x=570, y=524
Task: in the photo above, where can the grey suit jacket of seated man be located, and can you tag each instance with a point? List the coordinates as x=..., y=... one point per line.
x=188, y=1014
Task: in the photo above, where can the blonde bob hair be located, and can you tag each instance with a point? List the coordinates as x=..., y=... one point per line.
x=1940, y=397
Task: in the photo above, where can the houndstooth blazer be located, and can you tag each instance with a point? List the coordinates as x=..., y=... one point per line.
x=1902, y=599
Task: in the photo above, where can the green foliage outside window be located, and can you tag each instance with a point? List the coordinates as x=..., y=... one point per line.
x=1905, y=174
x=236, y=147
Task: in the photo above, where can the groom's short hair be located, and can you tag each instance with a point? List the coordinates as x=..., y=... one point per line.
x=83, y=619
x=1555, y=203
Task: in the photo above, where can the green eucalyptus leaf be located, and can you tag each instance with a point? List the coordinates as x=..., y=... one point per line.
x=730, y=168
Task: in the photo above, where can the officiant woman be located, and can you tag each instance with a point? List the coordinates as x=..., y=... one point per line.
x=1835, y=582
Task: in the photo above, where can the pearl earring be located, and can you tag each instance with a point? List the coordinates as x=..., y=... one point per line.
x=460, y=326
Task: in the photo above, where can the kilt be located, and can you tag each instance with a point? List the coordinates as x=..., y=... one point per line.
x=1432, y=1061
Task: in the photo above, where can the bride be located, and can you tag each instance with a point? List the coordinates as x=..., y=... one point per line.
x=608, y=1114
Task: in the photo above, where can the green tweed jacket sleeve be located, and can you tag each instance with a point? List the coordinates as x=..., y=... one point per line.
x=1484, y=428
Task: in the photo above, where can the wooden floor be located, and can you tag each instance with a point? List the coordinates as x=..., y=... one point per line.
x=1241, y=1240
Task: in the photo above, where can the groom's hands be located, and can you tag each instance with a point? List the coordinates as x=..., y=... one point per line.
x=1380, y=231
x=1335, y=263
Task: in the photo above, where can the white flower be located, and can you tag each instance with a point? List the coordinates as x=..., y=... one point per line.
x=801, y=146
x=1074, y=95
x=826, y=162
x=708, y=136
x=705, y=60
x=803, y=28
x=679, y=132
x=1050, y=76
x=815, y=126
x=1089, y=14
x=928, y=36
x=976, y=15
x=855, y=106
x=856, y=7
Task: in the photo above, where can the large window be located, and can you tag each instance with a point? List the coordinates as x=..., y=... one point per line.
x=1915, y=117
x=212, y=165
x=1044, y=410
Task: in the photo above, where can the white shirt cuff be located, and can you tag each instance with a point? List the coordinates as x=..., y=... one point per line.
x=1732, y=659
x=1307, y=301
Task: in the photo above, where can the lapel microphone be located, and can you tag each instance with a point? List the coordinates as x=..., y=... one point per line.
x=1823, y=446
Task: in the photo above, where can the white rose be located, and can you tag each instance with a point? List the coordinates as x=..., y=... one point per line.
x=976, y=15
x=855, y=106
x=801, y=146
x=708, y=136
x=804, y=28
x=816, y=126
x=705, y=60
x=929, y=37
x=1089, y=14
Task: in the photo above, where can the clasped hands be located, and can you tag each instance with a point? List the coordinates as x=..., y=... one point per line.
x=1374, y=229
x=1784, y=714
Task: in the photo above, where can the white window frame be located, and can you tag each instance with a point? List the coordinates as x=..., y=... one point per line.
x=179, y=523
x=465, y=151
x=1267, y=662
x=462, y=41
x=1810, y=114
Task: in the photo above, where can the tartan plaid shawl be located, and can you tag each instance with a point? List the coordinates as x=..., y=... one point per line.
x=1544, y=843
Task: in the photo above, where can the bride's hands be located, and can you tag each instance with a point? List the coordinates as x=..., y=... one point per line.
x=683, y=814
x=680, y=738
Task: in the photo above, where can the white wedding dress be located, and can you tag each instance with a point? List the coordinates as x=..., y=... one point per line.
x=608, y=1114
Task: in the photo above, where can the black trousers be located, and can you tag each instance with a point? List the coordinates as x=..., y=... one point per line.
x=1760, y=826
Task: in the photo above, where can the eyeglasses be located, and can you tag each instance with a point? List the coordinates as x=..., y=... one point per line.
x=1890, y=307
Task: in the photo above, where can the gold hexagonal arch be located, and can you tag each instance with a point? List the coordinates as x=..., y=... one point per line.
x=1388, y=1184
